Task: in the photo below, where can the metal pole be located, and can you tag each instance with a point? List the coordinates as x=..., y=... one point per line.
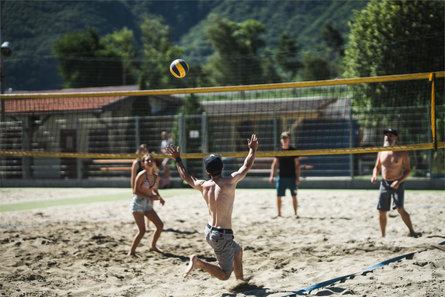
x=275, y=132
x=204, y=132
x=2, y=119
x=1, y=87
x=26, y=172
x=351, y=156
x=430, y=136
x=2, y=103
x=182, y=136
x=78, y=148
x=204, y=140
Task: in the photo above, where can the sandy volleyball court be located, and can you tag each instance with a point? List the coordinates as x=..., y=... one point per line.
x=77, y=245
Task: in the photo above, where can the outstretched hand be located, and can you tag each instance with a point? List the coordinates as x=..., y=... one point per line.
x=173, y=152
x=252, y=143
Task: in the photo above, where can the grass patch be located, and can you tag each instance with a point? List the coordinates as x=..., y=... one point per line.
x=83, y=200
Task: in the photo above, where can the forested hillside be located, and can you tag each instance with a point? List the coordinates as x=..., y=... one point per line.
x=302, y=20
x=33, y=27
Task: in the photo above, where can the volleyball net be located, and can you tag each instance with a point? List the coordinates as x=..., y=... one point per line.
x=335, y=126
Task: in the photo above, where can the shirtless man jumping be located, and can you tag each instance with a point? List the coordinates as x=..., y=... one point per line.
x=395, y=166
x=219, y=195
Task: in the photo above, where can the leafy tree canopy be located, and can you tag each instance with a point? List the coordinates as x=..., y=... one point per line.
x=158, y=53
x=286, y=55
x=236, y=45
x=124, y=44
x=82, y=52
x=394, y=37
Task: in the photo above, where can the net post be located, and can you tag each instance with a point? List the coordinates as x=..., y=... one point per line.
x=351, y=144
x=78, y=143
x=25, y=160
x=432, y=79
x=275, y=132
x=182, y=136
x=2, y=101
x=204, y=133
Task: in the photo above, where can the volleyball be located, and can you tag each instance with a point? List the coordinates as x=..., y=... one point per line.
x=179, y=68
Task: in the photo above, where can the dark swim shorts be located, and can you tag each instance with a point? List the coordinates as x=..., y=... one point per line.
x=284, y=183
x=385, y=195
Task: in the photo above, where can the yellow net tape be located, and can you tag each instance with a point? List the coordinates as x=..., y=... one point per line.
x=349, y=81
x=259, y=154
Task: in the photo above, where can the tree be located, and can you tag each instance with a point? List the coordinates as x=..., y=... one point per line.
x=269, y=64
x=123, y=43
x=236, y=60
x=286, y=56
x=158, y=54
x=315, y=68
x=394, y=37
x=85, y=62
x=333, y=39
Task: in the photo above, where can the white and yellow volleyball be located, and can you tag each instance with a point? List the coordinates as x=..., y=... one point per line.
x=179, y=68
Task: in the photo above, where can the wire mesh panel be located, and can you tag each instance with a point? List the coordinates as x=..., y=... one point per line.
x=11, y=139
x=69, y=135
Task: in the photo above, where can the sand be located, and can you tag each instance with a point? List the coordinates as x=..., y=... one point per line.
x=81, y=250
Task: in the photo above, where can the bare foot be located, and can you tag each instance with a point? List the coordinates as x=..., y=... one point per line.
x=155, y=249
x=415, y=234
x=191, y=266
x=133, y=255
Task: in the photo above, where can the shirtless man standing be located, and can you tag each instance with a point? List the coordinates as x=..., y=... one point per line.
x=395, y=166
x=219, y=195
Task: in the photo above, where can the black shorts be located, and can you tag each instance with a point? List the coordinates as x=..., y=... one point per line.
x=386, y=192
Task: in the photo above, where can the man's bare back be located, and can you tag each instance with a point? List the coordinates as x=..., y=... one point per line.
x=219, y=194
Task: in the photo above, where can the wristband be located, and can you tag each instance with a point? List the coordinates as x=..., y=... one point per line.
x=178, y=159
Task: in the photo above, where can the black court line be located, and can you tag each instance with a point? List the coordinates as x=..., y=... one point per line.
x=352, y=275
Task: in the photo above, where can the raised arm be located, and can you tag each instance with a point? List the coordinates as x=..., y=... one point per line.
x=185, y=175
x=252, y=143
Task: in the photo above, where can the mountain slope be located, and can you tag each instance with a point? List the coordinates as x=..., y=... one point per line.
x=302, y=20
x=32, y=27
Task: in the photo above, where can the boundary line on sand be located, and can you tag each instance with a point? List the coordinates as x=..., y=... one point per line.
x=352, y=275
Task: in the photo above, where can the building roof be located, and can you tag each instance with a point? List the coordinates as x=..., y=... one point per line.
x=58, y=104
x=51, y=105
x=81, y=104
x=81, y=90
